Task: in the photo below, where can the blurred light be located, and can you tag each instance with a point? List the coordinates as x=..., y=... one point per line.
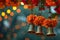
x=6, y=23
x=10, y=19
x=1, y=35
x=14, y=7
x=27, y=39
x=56, y=17
x=3, y=14
x=14, y=35
x=6, y=17
x=25, y=6
x=8, y=11
x=11, y=14
x=17, y=27
x=21, y=18
x=23, y=24
x=0, y=18
x=52, y=9
x=18, y=10
x=22, y=3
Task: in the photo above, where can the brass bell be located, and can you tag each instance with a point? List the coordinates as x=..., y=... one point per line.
x=50, y=32
x=31, y=29
x=39, y=31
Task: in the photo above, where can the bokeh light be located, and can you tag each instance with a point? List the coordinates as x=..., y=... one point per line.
x=6, y=23
x=22, y=3
x=3, y=14
x=11, y=14
x=1, y=35
x=14, y=35
x=0, y=18
x=27, y=39
x=5, y=17
x=8, y=11
x=23, y=24
x=14, y=7
x=18, y=10
x=17, y=27
x=21, y=18
x=25, y=6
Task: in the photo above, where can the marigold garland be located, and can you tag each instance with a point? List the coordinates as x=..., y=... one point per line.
x=50, y=23
x=31, y=18
x=50, y=3
x=39, y=20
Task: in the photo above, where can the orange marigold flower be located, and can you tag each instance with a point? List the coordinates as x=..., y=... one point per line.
x=54, y=22
x=46, y=22
x=31, y=18
x=39, y=20
x=50, y=3
x=50, y=23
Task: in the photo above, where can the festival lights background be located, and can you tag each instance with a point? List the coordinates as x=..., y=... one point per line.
x=13, y=25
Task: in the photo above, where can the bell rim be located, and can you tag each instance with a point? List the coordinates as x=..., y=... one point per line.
x=31, y=32
x=39, y=34
x=51, y=35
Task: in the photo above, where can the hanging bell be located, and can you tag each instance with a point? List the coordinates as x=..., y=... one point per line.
x=50, y=32
x=39, y=31
x=31, y=29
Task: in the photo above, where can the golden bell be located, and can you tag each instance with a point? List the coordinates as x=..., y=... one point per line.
x=39, y=31
x=31, y=29
x=50, y=32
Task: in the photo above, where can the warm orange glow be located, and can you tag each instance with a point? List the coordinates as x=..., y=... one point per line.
x=54, y=22
x=14, y=35
x=1, y=35
x=8, y=3
x=11, y=14
x=0, y=18
x=25, y=6
x=6, y=17
x=31, y=7
x=17, y=27
x=23, y=24
x=14, y=7
x=22, y=3
x=27, y=39
x=56, y=17
x=50, y=3
x=2, y=5
x=18, y=10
